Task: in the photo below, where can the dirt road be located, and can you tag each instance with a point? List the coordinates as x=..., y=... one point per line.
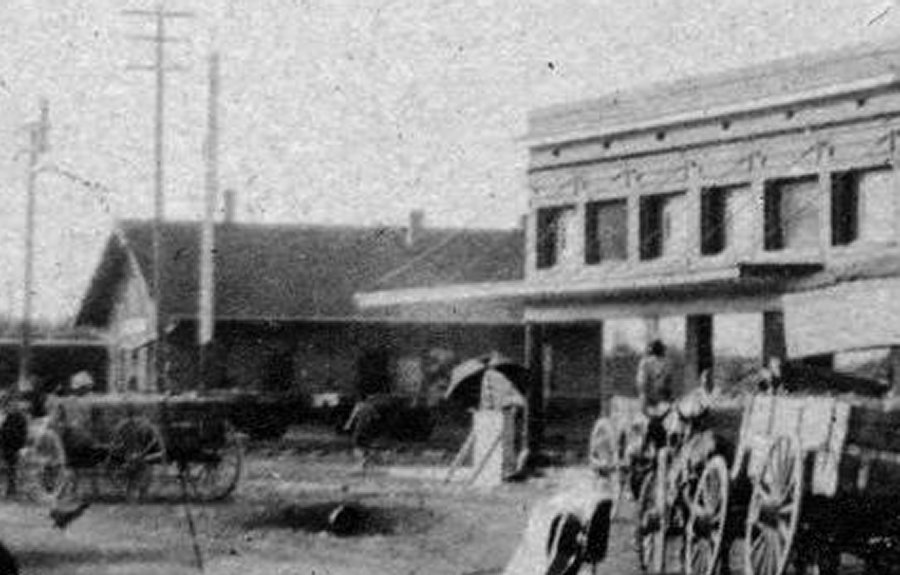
x=275, y=523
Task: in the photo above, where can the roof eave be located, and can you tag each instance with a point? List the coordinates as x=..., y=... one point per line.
x=847, y=89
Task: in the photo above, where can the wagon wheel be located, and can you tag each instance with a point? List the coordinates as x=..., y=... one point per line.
x=137, y=446
x=606, y=461
x=45, y=464
x=565, y=552
x=705, y=528
x=774, y=510
x=653, y=519
x=214, y=473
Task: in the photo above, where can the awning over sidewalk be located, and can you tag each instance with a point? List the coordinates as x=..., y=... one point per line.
x=738, y=278
x=852, y=315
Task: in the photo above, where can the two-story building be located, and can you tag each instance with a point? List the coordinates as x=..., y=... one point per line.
x=738, y=216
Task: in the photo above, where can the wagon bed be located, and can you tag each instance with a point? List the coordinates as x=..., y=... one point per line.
x=812, y=476
x=136, y=441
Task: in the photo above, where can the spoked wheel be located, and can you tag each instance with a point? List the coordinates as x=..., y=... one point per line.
x=212, y=474
x=44, y=465
x=137, y=446
x=652, y=524
x=606, y=461
x=564, y=545
x=774, y=510
x=705, y=528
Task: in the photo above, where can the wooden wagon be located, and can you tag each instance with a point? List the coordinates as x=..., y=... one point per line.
x=137, y=441
x=811, y=476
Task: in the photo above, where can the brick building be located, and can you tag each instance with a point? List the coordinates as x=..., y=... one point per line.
x=738, y=216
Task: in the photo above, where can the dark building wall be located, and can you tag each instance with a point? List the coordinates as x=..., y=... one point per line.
x=317, y=358
x=54, y=366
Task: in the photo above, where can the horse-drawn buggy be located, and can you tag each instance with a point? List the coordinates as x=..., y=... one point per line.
x=140, y=443
x=787, y=478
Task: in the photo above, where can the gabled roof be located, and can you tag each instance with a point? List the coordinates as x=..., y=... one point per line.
x=469, y=258
x=811, y=74
x=294, y=272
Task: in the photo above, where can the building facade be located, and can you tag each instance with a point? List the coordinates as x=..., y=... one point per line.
x=738, y=217
x=742, y=206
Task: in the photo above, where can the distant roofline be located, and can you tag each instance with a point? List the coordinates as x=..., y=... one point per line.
x=715, y=113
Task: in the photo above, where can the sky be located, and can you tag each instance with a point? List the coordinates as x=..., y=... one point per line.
x=352, y=112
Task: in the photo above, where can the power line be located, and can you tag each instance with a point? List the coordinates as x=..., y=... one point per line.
x=159, y=67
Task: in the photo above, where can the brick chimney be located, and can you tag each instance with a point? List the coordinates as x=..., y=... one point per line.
x=415, y=228
x=229, y=206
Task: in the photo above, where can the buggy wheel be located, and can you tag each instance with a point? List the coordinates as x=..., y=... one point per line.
x=565, y=552
x=137, y=445
x=44, y=465
x=652, y=524
x=214, y=473
x=605, y=460
x=774, y=510
x=708, y=513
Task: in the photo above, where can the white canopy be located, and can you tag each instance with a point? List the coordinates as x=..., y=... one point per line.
x=852, y=315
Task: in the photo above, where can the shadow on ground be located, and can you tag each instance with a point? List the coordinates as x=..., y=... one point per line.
x=344, y=518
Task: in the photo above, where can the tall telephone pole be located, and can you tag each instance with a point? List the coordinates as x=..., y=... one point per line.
x=38, y=133
x=206, y=305
x=160, y=16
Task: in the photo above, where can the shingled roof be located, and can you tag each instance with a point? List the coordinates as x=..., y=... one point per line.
x=805, y=73
x=297, y=272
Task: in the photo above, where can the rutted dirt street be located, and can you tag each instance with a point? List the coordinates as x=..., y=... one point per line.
x=275, y=524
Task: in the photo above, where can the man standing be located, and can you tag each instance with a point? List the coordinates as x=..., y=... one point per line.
x=654, y=379
x=654, y=388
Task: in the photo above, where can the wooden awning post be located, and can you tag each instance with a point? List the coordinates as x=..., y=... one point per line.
x=534, y=415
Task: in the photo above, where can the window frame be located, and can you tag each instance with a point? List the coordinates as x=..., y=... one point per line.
x=593, y=247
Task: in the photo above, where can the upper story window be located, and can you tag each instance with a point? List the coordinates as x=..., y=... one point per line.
x=556, y=234
x=792, y=214
x=862, y=206
x=663, y=231
x=726, y=219
x=606, y=231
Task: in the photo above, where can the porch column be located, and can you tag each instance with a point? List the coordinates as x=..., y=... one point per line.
x=600, y=376
x=534, y=361
x=773, y=344
x=698, y=347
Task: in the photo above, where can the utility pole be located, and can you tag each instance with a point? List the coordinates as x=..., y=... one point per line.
x=160, y=16
x=206, y=307
x=38, y=133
